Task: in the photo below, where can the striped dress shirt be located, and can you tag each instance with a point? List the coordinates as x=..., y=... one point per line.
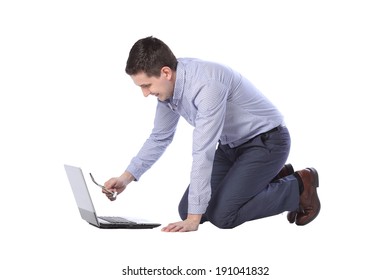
x=222, y=106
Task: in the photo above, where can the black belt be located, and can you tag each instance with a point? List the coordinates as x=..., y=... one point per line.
x=264, y=134
x=273, y=130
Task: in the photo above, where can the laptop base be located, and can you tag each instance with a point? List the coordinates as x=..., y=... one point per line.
x=126, y=226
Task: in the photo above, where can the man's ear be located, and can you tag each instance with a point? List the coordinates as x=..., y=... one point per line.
x=167, y=72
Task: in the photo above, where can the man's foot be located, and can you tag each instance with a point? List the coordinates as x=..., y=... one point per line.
x=287, y=170
x=309, y=202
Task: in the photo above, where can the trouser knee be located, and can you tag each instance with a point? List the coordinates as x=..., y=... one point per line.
x=220, y=221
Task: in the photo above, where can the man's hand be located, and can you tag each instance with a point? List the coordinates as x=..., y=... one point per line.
x=189, y=224
x=117, y=184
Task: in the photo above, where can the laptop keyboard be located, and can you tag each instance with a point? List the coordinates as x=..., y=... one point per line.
x=117, y=220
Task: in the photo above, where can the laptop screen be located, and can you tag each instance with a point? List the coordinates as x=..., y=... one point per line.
x=81, y=194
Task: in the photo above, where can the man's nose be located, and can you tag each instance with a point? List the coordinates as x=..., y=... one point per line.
x=146, y=92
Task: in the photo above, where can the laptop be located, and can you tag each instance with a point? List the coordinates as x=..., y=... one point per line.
x=87, y=210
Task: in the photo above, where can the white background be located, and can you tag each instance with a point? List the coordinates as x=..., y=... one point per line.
x=65, y=98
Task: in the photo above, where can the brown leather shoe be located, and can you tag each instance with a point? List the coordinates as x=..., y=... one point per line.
x=309, y=202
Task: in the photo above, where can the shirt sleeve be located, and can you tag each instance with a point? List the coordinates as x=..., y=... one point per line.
x=165, y=123
x=211, y=109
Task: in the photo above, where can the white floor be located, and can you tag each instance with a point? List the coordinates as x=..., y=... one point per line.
x=66, y=99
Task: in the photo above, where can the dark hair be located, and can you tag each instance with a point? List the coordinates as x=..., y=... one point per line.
x=149, y=55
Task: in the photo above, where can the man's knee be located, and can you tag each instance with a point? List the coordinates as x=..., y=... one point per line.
x=221, y=221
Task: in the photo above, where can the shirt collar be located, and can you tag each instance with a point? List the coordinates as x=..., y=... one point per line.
x=179, y=84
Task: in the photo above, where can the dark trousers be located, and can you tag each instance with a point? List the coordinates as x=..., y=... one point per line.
x=242, y=185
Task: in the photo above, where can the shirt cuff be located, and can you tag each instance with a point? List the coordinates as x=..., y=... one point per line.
x=133, y=171
x=197, y=208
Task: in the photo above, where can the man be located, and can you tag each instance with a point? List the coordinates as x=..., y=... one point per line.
x=244, y=178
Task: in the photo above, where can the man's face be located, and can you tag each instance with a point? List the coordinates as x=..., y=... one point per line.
x=161, y=87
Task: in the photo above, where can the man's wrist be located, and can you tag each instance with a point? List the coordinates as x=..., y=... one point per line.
x=127, y=177
x=194, y=217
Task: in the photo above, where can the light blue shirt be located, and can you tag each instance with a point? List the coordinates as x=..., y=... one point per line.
x=222, y=106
